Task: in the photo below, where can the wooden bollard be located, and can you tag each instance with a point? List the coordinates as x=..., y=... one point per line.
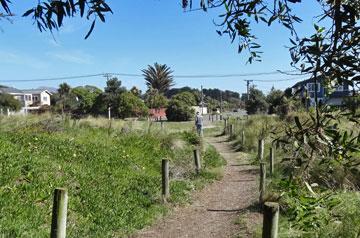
x=212, y=118
x=262, y=187
x=217, y=117
x=225, y=126
x=162, y=125
x=261, y=149
x=197, y=161
x=59, y=213
x=221, y=117
x=271, y=158
x=165, y=179
x=243, y=137
x=270, y=220
x=231, y=128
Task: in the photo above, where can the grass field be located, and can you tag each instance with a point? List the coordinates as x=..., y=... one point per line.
x=113, y=178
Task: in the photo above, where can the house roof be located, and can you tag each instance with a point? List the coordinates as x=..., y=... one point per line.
x=36, y=91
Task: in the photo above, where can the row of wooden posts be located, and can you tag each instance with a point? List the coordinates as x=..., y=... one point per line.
x=270, y=209
x=59, y=212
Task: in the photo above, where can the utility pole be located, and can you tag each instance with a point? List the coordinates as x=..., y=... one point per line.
x=107, y=76
x=248, y=88
x=202, y=101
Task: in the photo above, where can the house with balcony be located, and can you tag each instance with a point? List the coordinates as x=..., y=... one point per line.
x=31, y=100
x=307, y=90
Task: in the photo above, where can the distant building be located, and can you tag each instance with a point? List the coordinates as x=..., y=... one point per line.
x=31, y=100
x=306, y=90
x=201, y=110
x=157, y=114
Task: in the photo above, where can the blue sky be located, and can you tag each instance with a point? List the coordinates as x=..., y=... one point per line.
x=141, y=32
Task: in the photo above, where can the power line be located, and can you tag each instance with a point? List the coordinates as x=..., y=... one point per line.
x=198, y=76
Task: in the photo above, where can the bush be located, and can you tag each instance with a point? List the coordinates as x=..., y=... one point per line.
x=7, y=101
x=131, y=106
x=179, y=108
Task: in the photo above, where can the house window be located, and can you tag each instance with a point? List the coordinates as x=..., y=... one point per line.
x=45, y=98
x=27, y=97
x=35, y=98
x=311, y=87
x=339, y=88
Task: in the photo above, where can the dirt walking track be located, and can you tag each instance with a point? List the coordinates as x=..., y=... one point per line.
x=216, y=208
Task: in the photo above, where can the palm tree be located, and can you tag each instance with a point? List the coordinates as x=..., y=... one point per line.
x=64, y=91
x=158, y=77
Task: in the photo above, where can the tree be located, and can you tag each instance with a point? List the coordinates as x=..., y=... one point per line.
x=154, y=99
x=7, y=101
x=66, y=101
x=186, y=97
x=137, y=92
x=131, y=106
x=257, y=102
x=86, y=97
x=109, y=98
x=49, y=15
x=179, y=108
x=275, y=98
x=159, y=77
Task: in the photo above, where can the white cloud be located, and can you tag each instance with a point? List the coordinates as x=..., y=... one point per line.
x=17, y=58
x=76, y=56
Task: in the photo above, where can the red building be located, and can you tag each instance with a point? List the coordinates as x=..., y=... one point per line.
x=157, y=114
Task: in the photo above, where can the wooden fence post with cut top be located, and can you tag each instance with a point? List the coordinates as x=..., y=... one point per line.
x=243, y=137
x=225, y=126
x=59, y=213
x=262, y=187
x=165, y=179
x=261, y=150
x=231, y=130
x=271, y=157
x=270, y=220
x=197, y=160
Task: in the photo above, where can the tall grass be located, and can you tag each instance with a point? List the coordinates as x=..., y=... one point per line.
x=307, y=210
x=113, y=179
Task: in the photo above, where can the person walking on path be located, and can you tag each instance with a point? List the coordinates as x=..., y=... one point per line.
x=199, y=124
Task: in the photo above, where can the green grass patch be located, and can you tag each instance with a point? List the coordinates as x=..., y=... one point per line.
x=113, y=180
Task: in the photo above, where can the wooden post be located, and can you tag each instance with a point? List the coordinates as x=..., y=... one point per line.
x=270, y=220
x=271, y=157
x=261, y=150
x=226, y=126
x=243, y=137
x=262, y=187
x=165, y=179
x=162, y=125
x=217, y=117
x=221, y=117
x=59, y=213
x=197, y=161
x=109, y=113
x=231, y=130
x=212, y=117
x=8, y=112
x=209, y=117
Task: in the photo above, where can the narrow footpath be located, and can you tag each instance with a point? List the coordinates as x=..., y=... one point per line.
x=216, y=209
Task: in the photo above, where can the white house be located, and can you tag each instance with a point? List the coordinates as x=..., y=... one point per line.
x=201, y=110
x=31, y=100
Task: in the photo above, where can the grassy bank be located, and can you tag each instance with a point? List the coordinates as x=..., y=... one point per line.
x=113, y=179
x=315, y=206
